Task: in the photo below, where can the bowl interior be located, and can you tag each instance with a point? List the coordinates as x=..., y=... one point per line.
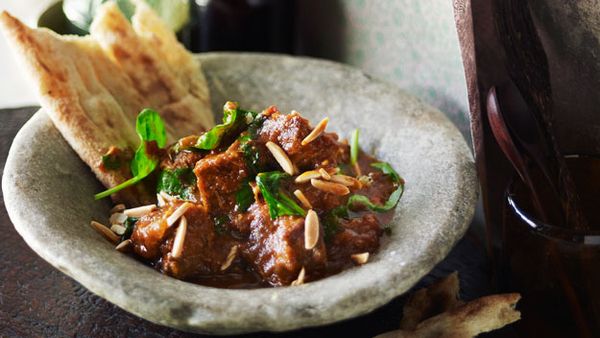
x=49, y=197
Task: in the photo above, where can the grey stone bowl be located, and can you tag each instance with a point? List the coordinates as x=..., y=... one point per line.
x=49, y=197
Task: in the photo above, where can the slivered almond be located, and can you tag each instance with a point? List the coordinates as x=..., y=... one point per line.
x=124, y=246
x=302, y=198
x=330, y=187
x=365, y=180
x=300, y=279
x=230, y=257
x=117, y=229
x=311, y=229
x=348, y=181
x=255, y=190
x=117, y=218
x=324, y=174
x=360, y=258
x=139, y=211
x=160, y=200
x=105, y=231
x=179, y=212
x=281, y=158
x=117, y=208
x=307, y=176
x=179, y=238
x=167, y=197
x=319, y=129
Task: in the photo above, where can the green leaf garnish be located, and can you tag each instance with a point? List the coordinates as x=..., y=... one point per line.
x=388, y=170
x=233, y=120
x=331, y=221
x=250, y=152
x=354, y=147
x=394, y=197
x=151, y=130
x=129, y=225
x=279, y=203
x=179, y=182
x=387, y=206
x=244, y=197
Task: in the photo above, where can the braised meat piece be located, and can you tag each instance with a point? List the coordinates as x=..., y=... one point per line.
x=150, y=232
x=182, y=159
x=276, y=247
x=289, y=130
x=355, y=235
x=219, y=177
x=204, y=250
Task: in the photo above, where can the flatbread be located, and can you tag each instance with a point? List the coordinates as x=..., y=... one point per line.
x=93, y=87
x=439, y=297
x=438, y=312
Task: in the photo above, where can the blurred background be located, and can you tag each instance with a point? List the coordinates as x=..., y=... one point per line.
x=411, y=43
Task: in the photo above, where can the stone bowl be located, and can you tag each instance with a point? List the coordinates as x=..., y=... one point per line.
x=49, y=197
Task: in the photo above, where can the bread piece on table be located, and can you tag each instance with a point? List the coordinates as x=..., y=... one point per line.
x=93, y=87
x=437, y=312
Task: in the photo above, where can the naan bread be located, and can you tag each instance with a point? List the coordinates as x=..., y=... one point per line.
x=438, y=312
x=93, y=87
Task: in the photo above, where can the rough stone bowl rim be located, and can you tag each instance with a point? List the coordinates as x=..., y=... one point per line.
x=213, y=323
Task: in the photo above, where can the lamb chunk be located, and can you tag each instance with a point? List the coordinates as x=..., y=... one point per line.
x=356, y=235
x=289, y=130
x=150, y=232
x=220, y=176
x=182, y=159
x=276, y=247
x=204, y=250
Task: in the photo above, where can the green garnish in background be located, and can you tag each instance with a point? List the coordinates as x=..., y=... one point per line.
x=150, y=128
x=81, y=13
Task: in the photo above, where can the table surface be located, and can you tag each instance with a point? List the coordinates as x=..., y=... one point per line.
x=38, y=300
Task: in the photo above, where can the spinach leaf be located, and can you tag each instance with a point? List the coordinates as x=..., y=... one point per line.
x=387, y=206
x=179, y=182
x=129, y=225
x=233, y=120
x=354, y=147
x=250, y=152
x=279, y=203
x=243, y=197
x=394, y=197
x=151, y=130
x=388, y=170
x=331, y=221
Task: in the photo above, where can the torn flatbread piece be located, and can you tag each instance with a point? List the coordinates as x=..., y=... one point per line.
x=437, y=312
x=439, y=297
x=93, y=87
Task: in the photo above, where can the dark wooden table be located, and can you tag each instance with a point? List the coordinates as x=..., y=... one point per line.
x=38, y=300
